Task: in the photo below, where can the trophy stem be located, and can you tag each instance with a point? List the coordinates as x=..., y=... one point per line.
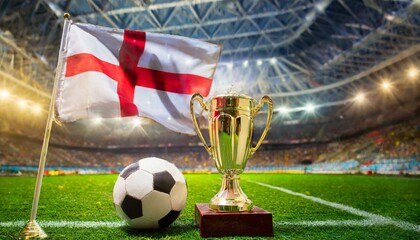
x=33, y=230
x=230, y=198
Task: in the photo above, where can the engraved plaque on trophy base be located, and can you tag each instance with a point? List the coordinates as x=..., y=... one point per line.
x=255, y=223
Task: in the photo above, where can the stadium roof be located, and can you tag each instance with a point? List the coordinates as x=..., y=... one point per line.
x=296, y=51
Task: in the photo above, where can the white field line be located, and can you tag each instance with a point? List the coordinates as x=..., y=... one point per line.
x=371, y=217
x=116, y=224
x=80, y=224
x=339, y=223
x=69, y=224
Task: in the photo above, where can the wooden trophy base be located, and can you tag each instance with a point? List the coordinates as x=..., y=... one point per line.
x=256, y=223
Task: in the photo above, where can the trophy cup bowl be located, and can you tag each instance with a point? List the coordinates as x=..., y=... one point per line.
x=231, y=126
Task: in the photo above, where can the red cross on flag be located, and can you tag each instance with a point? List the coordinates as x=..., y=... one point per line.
x=116, y=73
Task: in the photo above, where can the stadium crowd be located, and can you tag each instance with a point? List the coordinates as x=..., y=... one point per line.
x=391, y=142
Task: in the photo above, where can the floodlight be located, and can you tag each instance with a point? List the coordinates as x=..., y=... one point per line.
x=136, y=121
x=320, y=6
x=273, y=61
x=229, y=66
x=386, y=85
x=36, y=108
x=97, y=120
x=259, y=62
x=245, y=63
x=360, y=97
x=310, y=107
x=413, y=72
x=4, y=93
x=283, y=110
x=22, y=103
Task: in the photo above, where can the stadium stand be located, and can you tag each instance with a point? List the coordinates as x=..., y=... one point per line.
x=393, y=149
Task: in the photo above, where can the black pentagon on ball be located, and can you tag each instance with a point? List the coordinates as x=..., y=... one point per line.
x=132, y=207
x=129, y=170
x=163, y=182
x=168, y=219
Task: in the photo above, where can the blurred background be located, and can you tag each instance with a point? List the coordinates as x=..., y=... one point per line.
x=343, y=75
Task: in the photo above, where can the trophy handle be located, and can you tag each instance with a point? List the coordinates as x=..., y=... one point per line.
x=264, y=99
x=200, y=99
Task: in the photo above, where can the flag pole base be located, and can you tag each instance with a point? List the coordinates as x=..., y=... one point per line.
x=33, y=230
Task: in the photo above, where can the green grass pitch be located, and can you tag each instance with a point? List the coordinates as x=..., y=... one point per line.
x=303, y=206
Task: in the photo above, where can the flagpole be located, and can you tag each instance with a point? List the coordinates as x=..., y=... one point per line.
x=32, y=228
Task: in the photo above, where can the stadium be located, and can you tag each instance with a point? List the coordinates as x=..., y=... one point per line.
x=340, y=160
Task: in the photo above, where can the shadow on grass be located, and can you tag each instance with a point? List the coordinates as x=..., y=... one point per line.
x=171, y=230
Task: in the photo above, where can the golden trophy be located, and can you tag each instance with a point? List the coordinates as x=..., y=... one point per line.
x=231, y=126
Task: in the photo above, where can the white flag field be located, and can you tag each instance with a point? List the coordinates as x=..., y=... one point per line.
x=109, y=73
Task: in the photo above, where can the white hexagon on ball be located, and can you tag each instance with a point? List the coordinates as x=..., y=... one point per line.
x=139, y=184
x=119, y=191
x=178, y=196
x=150, y=164
x=156, y=211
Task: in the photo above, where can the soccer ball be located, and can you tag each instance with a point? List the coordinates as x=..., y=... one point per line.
x=150, y=193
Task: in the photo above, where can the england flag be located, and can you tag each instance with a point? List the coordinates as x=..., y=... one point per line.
x=110, y=73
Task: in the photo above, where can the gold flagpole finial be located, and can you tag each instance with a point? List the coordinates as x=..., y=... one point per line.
x=66, y=16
